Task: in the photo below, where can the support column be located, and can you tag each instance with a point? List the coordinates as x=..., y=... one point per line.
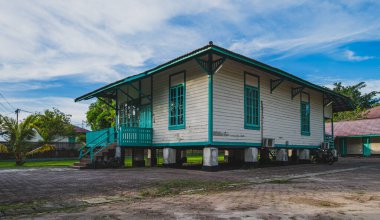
x=152, y=157
x=304, y=156
x=210, y=159
x=138, y=157
x=169, y=155
x=250, y=157
x=282, y=156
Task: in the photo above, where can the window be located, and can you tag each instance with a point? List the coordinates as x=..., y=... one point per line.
x=251, y=101
x=177, y=101
x=305, y=114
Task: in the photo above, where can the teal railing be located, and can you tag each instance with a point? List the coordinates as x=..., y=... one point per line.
x=96, y=141
x=132, y=136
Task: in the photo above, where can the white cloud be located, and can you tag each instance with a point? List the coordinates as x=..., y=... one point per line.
x=41, y=40
x=350, y=55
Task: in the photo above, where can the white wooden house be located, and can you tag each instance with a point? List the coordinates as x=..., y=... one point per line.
x=213, y=98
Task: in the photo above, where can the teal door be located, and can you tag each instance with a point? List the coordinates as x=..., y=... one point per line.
x=145, y=116
x=343, y=146
x=366, y=146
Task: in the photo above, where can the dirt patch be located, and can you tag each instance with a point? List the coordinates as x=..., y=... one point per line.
x=362, y=198
x=315, y=202
x=176, y=187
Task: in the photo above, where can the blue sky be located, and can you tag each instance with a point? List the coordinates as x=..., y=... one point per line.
x=54, y=51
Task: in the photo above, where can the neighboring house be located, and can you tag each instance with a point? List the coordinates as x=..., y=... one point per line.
x=213, y=98
x=64, y=141
x=358, y=137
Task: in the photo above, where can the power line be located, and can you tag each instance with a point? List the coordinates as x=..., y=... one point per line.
x=12, y=107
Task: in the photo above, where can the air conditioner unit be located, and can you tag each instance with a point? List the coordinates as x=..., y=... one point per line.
x=325, y=145
x=268, y=142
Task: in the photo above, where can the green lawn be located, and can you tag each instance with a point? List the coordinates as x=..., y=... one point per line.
x=191, y=159
x=51, y=163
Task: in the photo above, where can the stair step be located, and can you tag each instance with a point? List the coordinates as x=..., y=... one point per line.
x=78, y=167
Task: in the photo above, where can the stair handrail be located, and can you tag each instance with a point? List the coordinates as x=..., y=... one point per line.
x=81, y=155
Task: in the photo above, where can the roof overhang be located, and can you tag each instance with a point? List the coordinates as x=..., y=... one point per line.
x=340, y=102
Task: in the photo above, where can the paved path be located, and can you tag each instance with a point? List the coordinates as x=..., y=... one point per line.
x=353, y=175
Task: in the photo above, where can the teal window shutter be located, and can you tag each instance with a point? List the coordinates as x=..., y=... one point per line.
x=177, y=107
x=251, y=103
x=305, y=118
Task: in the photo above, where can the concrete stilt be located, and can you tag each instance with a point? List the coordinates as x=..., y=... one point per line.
x=152, y=157
x=304, y=156
x=210, y=159
x=169, y=155
x=282, y=156
x=250, y=157
x=335, y=153
x=226, y=155
x=138, y=157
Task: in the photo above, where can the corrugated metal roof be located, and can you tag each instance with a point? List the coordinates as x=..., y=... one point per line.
x=373, y=112
x=355, y=128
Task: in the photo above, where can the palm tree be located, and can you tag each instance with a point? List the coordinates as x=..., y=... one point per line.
x=18, y=135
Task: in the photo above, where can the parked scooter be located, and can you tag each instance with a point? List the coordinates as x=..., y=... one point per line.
x=323, y=156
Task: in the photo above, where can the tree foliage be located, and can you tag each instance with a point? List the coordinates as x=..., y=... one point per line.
x=361, y=101
x=52, y=124
x=101, y=115
x=17, y=135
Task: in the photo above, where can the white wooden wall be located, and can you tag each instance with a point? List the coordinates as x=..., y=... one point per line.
x=196, y=106
x=281, y=114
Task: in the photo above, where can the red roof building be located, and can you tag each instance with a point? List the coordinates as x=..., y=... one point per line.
x=358, y=137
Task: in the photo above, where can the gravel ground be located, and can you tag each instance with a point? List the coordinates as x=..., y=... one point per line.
x=349, y=189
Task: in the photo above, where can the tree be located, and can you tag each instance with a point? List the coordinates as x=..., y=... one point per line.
x=101, y=115
x=18, y=136
x=361, y=102
x=53, y=124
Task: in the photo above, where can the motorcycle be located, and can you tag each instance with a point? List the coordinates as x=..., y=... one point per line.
x=323, y=156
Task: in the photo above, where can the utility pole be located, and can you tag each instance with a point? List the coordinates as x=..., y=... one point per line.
x=17, y=112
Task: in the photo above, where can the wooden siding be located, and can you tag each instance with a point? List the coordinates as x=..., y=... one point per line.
x=354, y=146
x=196, y=99
x=375, y=145
x=281, y=113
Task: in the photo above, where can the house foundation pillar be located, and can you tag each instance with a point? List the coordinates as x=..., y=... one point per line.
x=138, y=157
x=304, y=156
x=152, y=157
x=282, y=156
x=210, y=159
x=250, y=157
x=169, y=155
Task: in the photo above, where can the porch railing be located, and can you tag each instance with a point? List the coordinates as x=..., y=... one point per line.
x=133, y=136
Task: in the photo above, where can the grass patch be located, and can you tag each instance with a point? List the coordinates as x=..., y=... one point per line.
x=315, y=202
x=280, y=181
x=50, y=163
x=175, y=187
x=37, y=207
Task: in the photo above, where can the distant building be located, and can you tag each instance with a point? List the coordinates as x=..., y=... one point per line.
x=358, y=137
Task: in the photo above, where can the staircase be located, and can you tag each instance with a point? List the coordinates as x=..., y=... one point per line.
x=99, y=152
